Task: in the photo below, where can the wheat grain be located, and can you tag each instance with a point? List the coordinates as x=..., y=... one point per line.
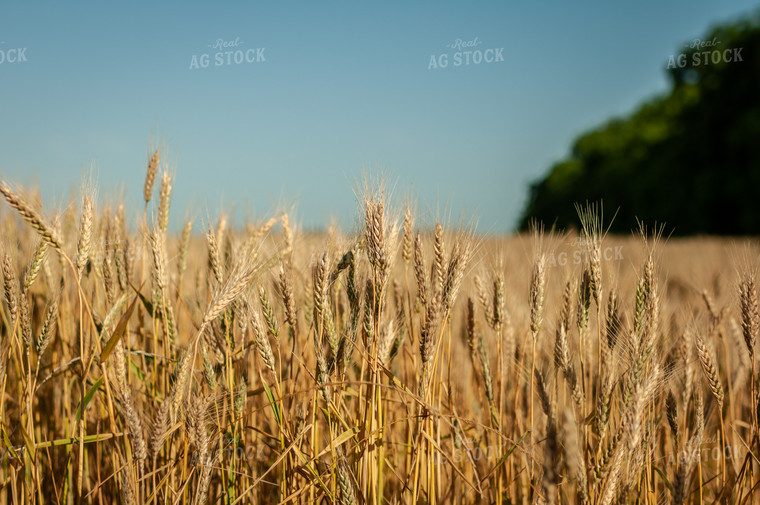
x=709, y=368
x=150, y=175
x=85, y=233
x=31, y=216
x=750, y=314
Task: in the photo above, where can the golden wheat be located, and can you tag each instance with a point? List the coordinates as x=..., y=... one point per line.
x=401, y=363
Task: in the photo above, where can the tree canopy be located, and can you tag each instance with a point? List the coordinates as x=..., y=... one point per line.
x=690, y=159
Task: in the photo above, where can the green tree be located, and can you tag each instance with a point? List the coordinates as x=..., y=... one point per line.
x=690, y=159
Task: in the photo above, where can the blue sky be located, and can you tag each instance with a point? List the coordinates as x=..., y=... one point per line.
x=345, y=89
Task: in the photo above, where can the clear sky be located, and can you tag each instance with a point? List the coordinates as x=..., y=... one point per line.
x=345, y=88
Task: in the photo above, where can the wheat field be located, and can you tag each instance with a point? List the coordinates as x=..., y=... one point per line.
x=406, y=361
